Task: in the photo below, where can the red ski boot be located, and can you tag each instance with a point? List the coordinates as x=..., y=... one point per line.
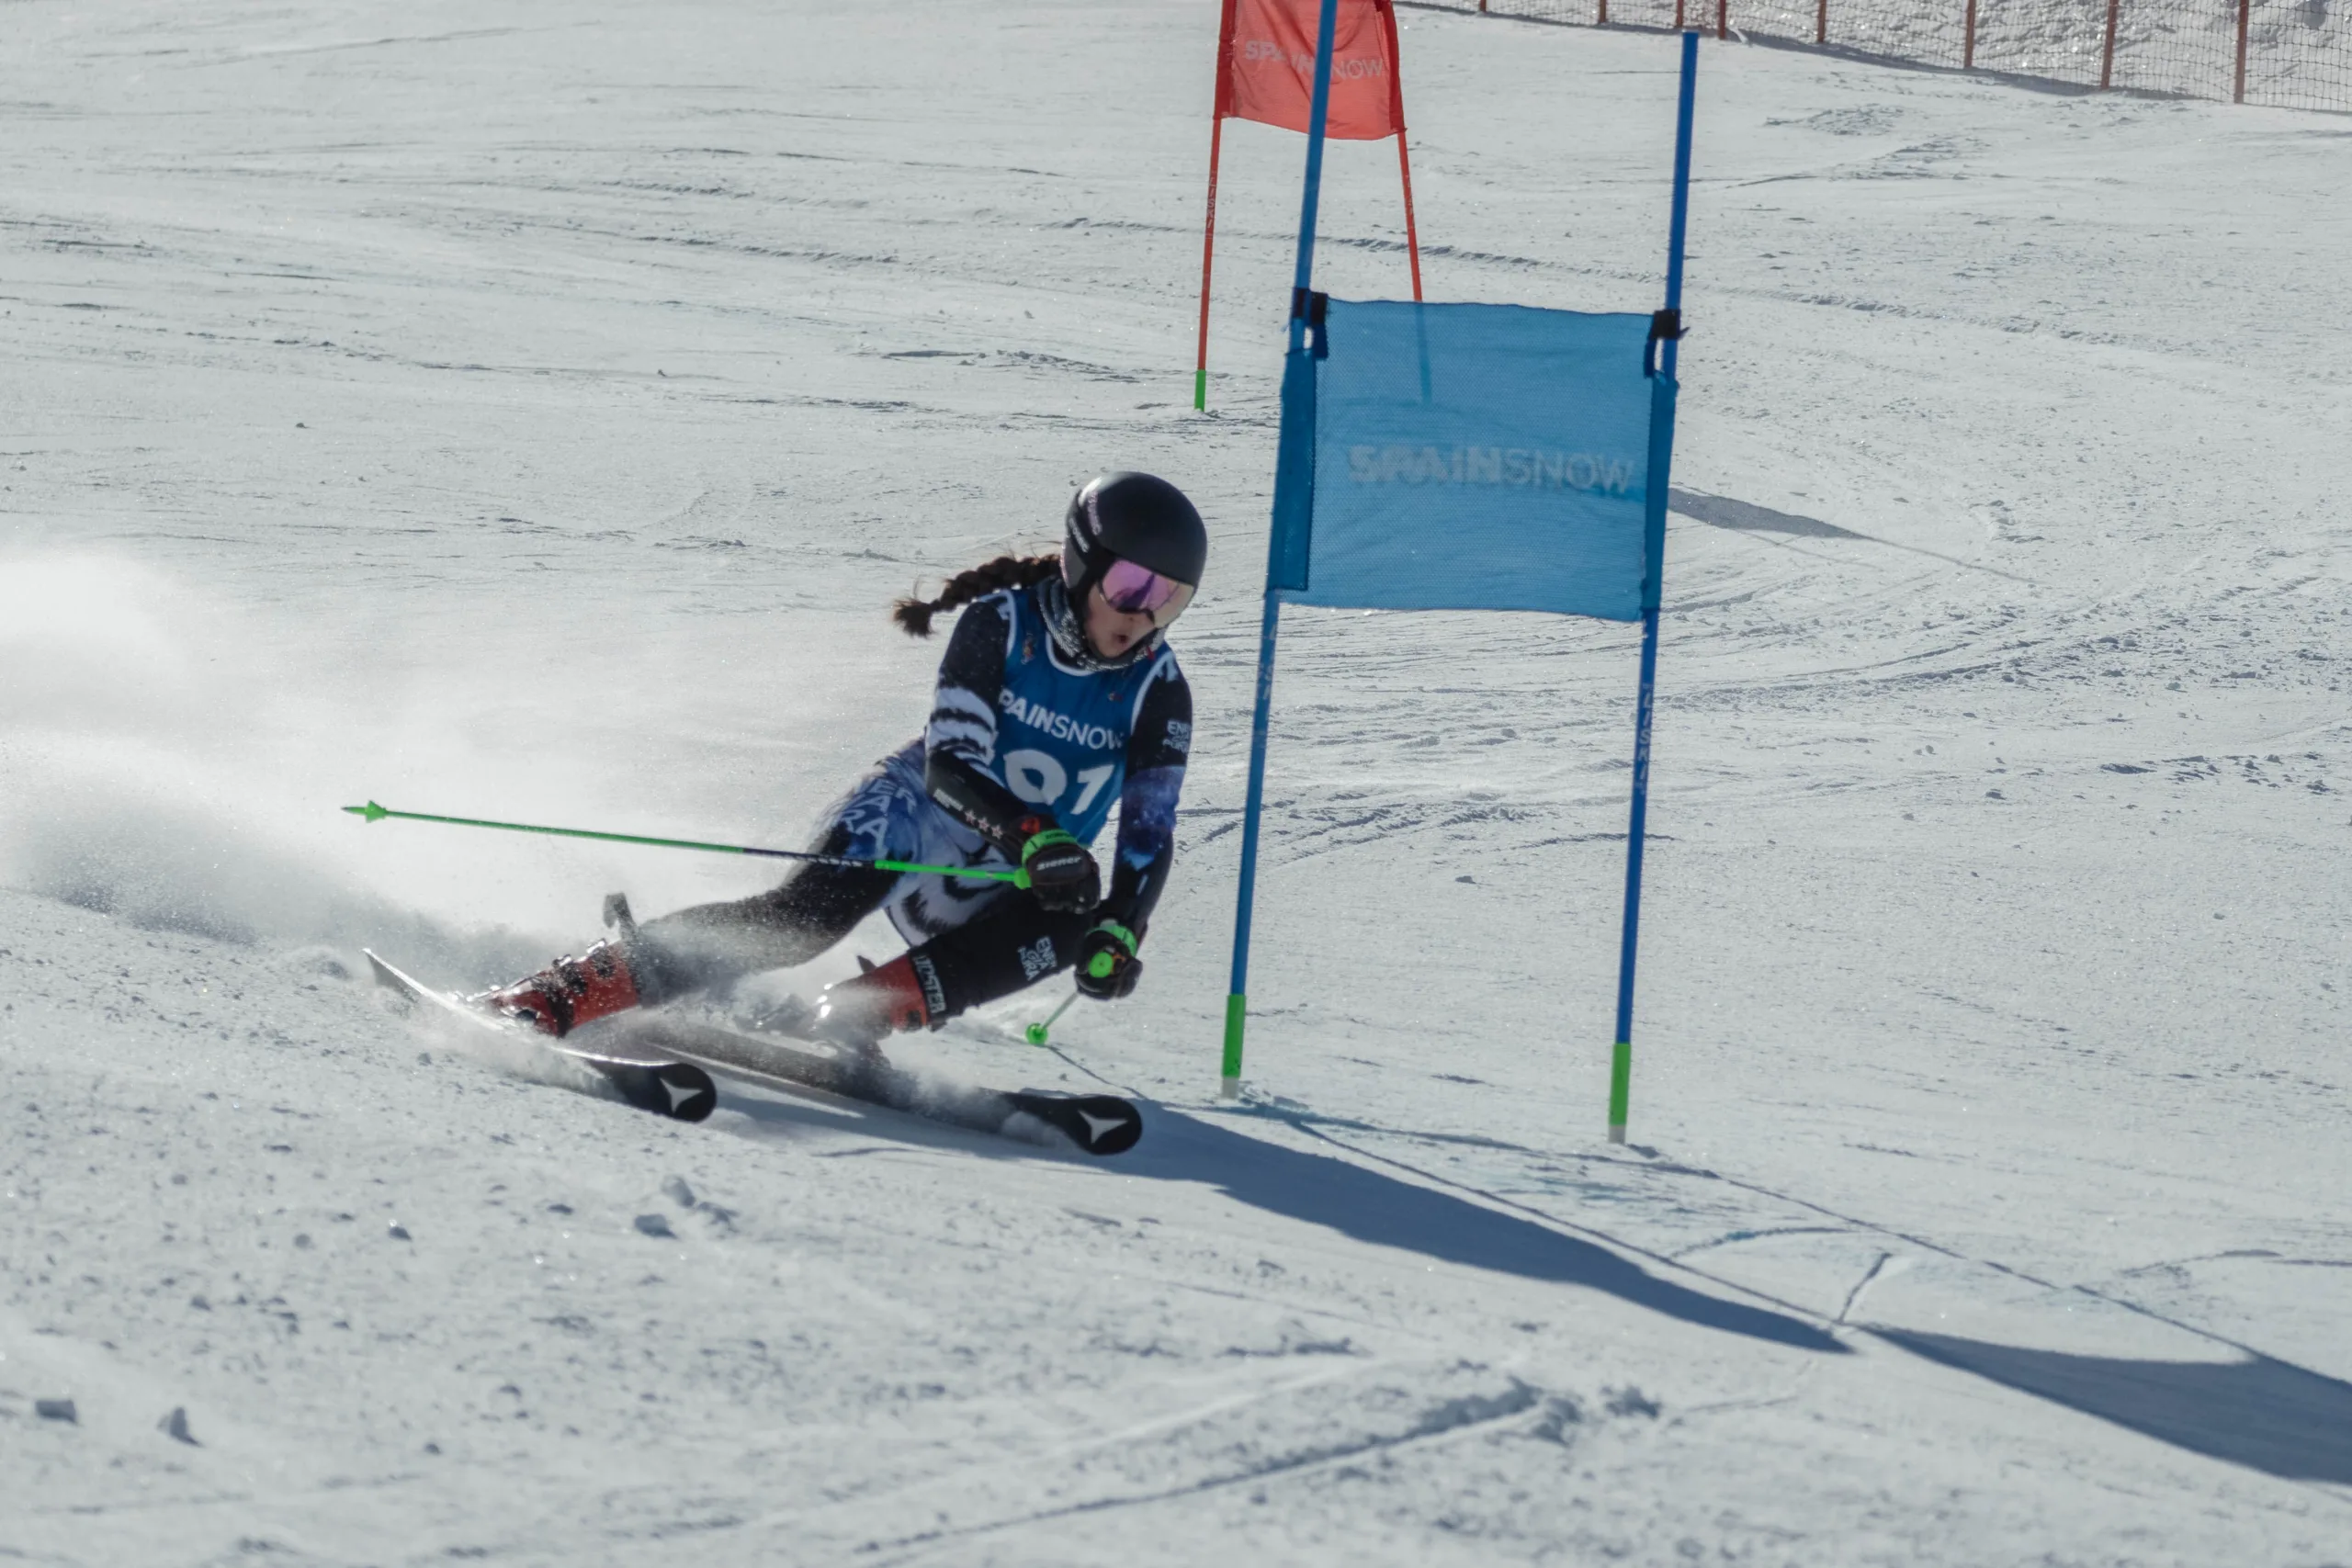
x=568, y=992
x=859, y=1013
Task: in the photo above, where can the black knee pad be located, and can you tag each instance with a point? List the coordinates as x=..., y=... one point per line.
x=1002, y=951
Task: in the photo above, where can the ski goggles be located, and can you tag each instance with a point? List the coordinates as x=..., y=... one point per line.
x=1134, y=590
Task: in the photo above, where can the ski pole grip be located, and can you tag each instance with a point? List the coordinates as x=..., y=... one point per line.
x=1105, y=964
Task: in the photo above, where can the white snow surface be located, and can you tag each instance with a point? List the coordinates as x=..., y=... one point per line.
x=527, y=410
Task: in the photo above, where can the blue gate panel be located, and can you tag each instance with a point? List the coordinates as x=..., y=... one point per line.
x=1471, y=457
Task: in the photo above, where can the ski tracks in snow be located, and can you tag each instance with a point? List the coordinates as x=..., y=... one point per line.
x=1269, y=1435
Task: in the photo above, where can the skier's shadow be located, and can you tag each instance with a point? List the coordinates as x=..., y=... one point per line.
x=1369, y=1206
x=2264, y=1415
x=1351, y=1199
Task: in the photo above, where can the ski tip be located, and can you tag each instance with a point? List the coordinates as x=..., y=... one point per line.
x=370, y=812
x=389, y=977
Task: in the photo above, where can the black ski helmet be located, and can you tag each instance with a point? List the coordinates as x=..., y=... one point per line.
x=1136, y=517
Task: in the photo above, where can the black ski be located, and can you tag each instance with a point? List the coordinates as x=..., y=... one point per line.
x=680, y=1090
x=1097, y=1123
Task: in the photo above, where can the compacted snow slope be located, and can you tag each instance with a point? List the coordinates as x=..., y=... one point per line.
x=529, y=410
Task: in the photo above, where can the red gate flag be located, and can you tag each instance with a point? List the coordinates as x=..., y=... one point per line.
x=1267, y=71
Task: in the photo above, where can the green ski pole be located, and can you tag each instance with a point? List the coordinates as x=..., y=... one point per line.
x=373, y=813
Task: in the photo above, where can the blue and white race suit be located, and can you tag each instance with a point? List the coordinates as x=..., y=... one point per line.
x=1027, y=733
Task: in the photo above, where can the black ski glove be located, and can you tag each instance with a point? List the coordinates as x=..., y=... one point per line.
x=1061, y=873
x=1107, y=966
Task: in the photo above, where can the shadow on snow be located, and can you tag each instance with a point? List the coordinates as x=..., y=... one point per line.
x=2262, y=1413
x=1352, y=1199
x=1368, y=1206
x=2258, y=1413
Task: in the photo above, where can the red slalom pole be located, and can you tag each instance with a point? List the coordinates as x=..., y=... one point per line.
x=1404, y=159
x=1412, y=236
x=1208, y=257
x=1220, y=104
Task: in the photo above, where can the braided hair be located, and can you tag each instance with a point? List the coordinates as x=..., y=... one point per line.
x=913, y=615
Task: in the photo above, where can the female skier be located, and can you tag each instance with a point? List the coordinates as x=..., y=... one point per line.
x=1058, y=695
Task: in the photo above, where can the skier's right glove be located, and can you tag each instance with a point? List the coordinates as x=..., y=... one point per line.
x=1107, y=966
x=1061, y=873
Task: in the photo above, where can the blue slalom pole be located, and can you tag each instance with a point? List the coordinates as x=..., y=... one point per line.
x=1236, y=999
x=1621, y=1067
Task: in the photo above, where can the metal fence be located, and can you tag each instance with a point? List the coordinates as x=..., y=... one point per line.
x=2287, y=53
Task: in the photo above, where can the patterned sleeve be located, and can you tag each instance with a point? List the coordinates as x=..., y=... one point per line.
x=1158, y=749
x=959, y=743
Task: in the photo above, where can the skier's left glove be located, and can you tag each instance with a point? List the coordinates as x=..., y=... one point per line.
x=1107, y=966
x=1061, y=872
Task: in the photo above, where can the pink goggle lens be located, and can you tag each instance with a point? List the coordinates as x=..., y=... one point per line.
x=1139, y=590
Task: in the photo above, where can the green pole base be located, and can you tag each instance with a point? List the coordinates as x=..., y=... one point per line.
x=1621, y=1087
x=1201, y=390
x=1236, y=1010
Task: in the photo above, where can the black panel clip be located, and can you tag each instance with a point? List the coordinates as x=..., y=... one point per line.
x=1665, y=326
x=1309, y=306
